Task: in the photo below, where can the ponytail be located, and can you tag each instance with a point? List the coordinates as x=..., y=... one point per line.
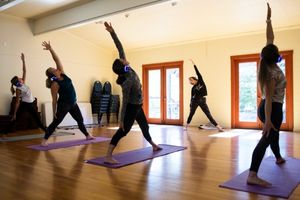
x=12, y=89
x=48, y=83
x=263, y=74
x=14, y=82
x=48, y=80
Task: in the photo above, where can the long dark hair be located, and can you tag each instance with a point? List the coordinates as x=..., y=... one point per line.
x=14, y=81
x=269, y=57
x=48, y=80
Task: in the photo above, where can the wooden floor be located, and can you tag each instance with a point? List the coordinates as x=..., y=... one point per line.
x=194, y=173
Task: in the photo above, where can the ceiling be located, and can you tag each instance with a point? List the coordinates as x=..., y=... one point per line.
x=171, y=22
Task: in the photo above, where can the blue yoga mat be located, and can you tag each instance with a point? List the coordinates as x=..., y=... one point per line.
x=284, y=178
x=135, y=156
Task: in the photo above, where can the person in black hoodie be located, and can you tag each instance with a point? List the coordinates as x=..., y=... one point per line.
x=198, y=98
x=132, y=100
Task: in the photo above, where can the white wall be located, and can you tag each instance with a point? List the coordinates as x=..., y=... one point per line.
x=83, y=61
x=213, y=60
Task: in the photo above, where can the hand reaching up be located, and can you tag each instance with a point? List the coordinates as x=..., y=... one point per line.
x=46, y=45
x=108, y=27
x=269, y=12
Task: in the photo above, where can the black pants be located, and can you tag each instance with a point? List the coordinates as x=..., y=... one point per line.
x=272, y=139
x=133, y=112
x=30, y=108
x=62, y=111
x=200, y=101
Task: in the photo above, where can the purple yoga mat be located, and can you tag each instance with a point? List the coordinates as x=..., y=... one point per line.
x=135, y=156
x=70, y=143
x=284, y=178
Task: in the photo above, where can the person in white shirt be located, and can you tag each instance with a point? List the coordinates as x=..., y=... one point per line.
x=24, y=98
x=272, y=85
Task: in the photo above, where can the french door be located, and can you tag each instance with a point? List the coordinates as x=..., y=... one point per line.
x=163, y=92
x=245, y=95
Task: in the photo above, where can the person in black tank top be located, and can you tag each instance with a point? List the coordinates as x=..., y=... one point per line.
x=63, y=97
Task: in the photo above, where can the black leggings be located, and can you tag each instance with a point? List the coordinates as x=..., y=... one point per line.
x=200, y=101
x=133, y=112
x=62, y=110
x=272, y=139
x=30, y=108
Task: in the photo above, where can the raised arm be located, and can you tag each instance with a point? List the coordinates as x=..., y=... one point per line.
x=23, y=67
x=269, y=32
x=117, y=42
x=47, y=46
x=200, y=79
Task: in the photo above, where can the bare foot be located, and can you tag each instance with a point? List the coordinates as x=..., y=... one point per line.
x=255, y=180
x=44, y=143
x=156, y=148
x=111, y=161
x=280, y=161
x=90, y=137
x=220, y=129
x=185, y=127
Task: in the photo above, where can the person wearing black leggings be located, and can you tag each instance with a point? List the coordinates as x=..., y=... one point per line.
x=198, y=98
x=272, y=84
x=24, y=99
x=132, y=100
x=62, y=89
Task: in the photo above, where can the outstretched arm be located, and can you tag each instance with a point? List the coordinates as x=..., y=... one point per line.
x=24, y=67
x=47, y=46
x=200, y=79
x=117, y=42
x=269, y=32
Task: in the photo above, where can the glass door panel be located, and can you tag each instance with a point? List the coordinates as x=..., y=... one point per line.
x=173, y=93
x=154, y=109
x=247, y=92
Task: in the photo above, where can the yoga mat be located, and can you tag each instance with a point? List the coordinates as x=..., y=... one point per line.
x=284, y=178
x=34, y=136
x=65, y=144
x=135, y=156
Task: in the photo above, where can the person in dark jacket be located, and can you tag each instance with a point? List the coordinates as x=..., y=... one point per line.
x=198, y=98
x=63, y=97
x=132, y=100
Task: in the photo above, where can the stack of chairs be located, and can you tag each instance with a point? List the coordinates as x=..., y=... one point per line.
x=96, y=97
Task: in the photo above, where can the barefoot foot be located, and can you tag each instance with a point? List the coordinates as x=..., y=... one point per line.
x=90, y=137
x=111, y=161
x=156, y=148
x=255, y=180
x=280, y=161
x=44, y=143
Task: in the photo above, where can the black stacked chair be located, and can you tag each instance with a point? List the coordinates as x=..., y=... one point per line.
x=96, y=97
x=105, y=101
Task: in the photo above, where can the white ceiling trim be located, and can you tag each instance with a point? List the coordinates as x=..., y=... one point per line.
x=86, y=13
